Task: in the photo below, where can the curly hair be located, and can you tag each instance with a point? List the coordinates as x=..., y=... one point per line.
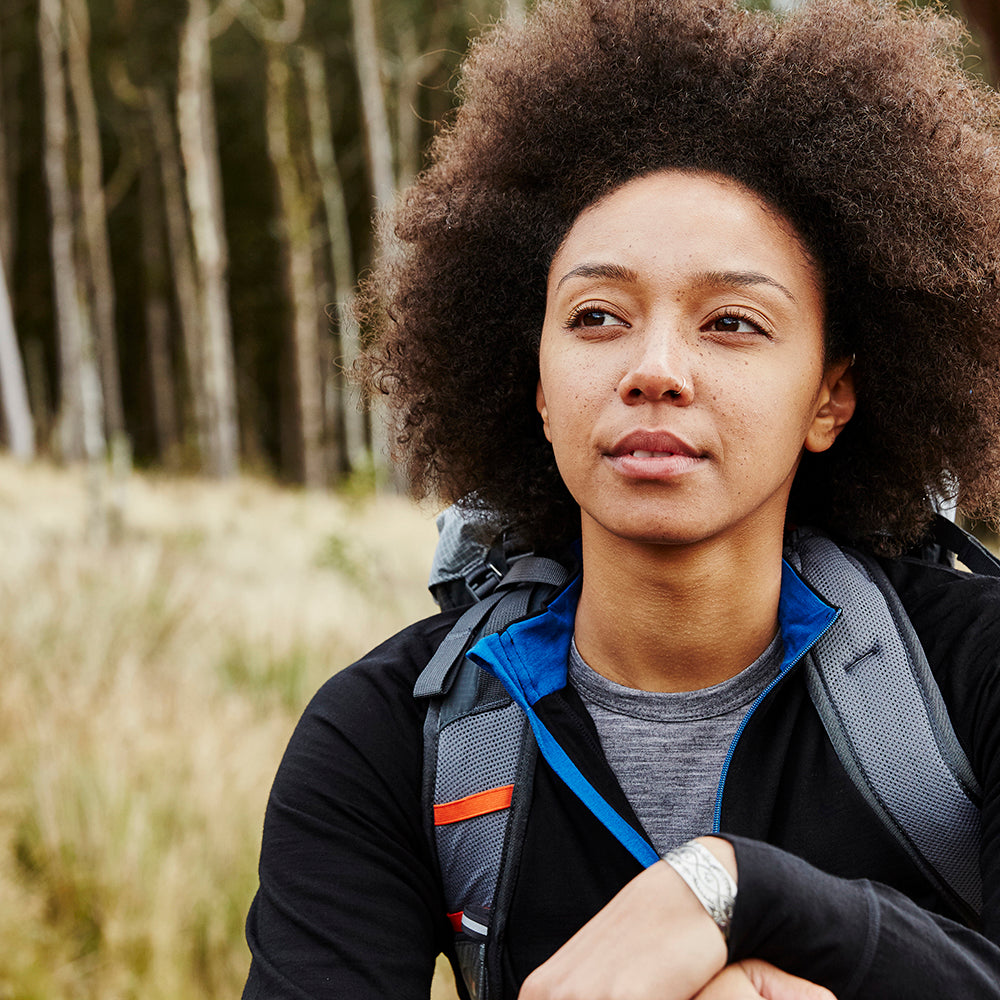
x=853, y=118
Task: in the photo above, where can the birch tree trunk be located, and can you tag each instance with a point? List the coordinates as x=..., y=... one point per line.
x=301, y=276
x=339, y=249
x=96, y=255
x=199, y=149
x=188, y=295
x=378, y=143
x=13, y=387
x=80, y=423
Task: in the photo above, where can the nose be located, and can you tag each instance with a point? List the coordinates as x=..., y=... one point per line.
x=658, y=372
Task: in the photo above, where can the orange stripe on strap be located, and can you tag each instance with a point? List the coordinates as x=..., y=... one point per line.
x=456, y=921
x=492, y=800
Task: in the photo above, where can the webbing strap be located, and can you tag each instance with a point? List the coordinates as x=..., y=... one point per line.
x=535, y=569
x=969, y=549
x=433, y=679
x=471, y=806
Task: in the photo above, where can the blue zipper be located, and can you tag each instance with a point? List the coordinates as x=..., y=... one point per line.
x=717, y=819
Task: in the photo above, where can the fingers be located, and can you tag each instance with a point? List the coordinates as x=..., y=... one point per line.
x=731, y=984
x=773, y=984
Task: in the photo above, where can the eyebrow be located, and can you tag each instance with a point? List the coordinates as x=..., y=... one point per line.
x=742, y=279
x=612, y=272
x=731, y=279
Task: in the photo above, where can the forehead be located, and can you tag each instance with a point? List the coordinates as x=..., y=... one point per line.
x=678, y=218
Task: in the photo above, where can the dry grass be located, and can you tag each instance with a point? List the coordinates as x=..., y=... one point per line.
x=149, y=687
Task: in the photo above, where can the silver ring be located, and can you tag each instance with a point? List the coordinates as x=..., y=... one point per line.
x=677, y=392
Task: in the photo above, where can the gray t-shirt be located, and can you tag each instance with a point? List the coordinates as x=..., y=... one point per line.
x=667, y=748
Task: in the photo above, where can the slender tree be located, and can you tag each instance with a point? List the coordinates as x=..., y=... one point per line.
x=296, y=212
x=95, y=256
x=13, y=387
x=80, y=422
x=199, y=149
x=339, y=247
x=182, y=264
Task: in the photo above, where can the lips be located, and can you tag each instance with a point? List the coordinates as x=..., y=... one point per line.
x=654, y=456
x=653, y=444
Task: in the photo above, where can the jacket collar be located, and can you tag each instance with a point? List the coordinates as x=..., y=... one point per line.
x=530, y=658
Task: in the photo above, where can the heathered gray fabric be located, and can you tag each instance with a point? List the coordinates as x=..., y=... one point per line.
x=667, y=748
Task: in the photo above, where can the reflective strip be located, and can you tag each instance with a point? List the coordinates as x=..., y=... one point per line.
x=474, y=927
x=490, y=801
x=456, y=921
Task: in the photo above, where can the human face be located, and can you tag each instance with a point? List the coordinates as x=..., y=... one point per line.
x=682, y=367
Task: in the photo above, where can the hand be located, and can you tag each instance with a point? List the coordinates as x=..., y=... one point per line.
x=653, y=941
x=754, y=979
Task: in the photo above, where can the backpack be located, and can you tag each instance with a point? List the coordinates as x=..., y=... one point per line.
x=479, y=754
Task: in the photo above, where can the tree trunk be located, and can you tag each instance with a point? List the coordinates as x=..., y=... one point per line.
x=199, y=149
x=301, y=276
x=378, y=141
x=188, y=296
x=80, y=425
x=96, y=256
x=380, y=161
x=157, y=310
x=13, y=387
x=339, y=249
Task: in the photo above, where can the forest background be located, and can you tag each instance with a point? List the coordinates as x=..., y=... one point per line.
x=186, y=195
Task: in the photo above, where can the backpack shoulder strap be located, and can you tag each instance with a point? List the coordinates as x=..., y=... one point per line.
x=872, y=686
x=479, y=761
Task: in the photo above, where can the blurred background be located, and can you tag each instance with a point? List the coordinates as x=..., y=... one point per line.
x=197, y=517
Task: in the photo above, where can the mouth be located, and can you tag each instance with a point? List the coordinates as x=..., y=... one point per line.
x=653, y=444
x=654, y=456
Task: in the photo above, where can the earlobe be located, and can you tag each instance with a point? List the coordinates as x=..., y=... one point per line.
x=542, y=410
x=836, y=406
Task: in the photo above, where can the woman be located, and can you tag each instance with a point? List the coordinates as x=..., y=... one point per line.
x=679, y=278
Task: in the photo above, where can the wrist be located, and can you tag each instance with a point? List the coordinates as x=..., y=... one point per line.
x=707, y=866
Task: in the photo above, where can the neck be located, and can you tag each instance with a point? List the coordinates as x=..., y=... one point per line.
x=677, y=617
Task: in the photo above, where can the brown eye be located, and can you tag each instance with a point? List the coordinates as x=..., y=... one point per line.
x=595, y=317
x=734, y=324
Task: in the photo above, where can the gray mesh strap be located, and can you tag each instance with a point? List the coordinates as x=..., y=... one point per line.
x=477, y=753
x=873, y=689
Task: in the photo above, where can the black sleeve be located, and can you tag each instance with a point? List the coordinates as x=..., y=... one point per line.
x=860, y=939
x=348, y=905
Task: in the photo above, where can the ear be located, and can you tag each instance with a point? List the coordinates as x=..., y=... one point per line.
x=836, y=404
x=543, y=410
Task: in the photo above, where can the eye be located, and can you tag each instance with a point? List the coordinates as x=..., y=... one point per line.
x=733, y=322
x=590, y=315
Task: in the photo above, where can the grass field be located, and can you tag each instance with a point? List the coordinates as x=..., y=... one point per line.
x=150, y=684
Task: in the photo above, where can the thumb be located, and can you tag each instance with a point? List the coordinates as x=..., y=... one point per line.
x=774, y=984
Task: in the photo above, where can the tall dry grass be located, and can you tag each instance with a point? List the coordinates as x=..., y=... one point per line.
x=149, y=687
